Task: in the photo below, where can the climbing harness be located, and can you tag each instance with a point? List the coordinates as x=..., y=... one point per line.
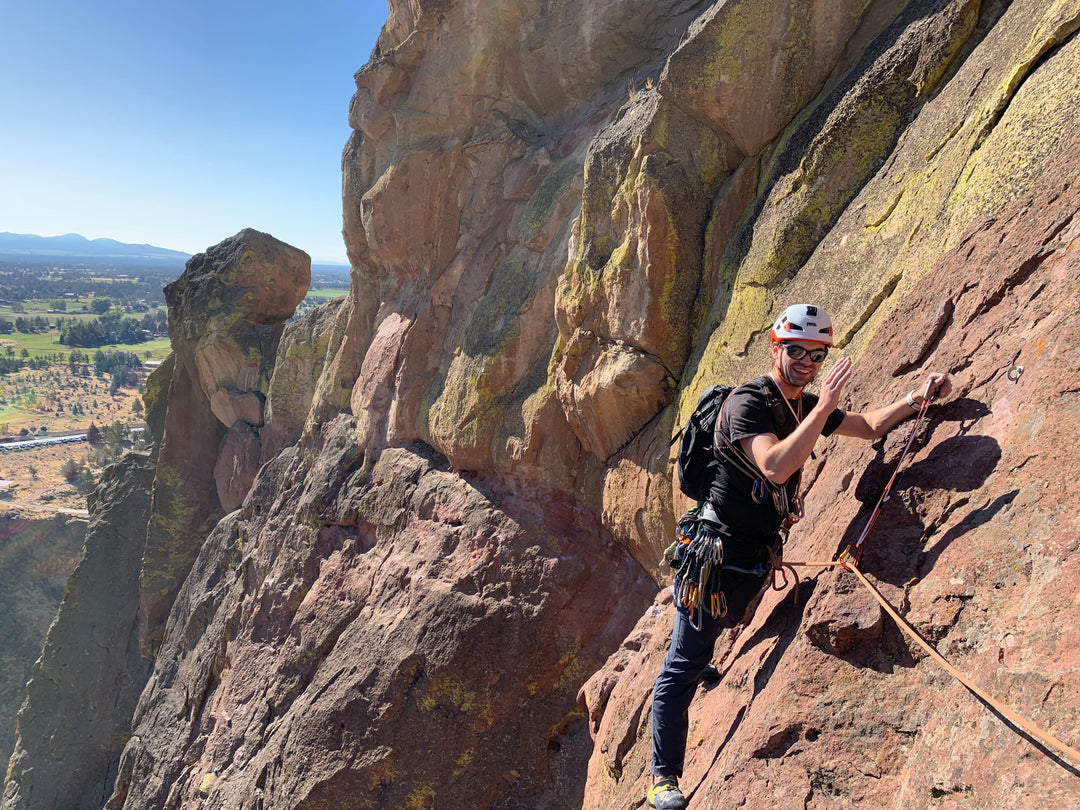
x=697, y=555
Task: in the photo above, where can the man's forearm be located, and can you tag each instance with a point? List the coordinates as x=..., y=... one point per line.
x=876, y=423
x=779, y=459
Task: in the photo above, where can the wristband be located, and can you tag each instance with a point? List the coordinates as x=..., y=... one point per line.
x=911, y=401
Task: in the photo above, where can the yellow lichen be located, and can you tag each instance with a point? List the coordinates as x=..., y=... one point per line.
x=449, y=692
x=464, y=762
x=423, y=798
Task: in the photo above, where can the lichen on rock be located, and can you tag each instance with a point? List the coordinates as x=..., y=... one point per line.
x=565, y=220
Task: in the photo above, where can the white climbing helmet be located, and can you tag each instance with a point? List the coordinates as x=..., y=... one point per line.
x=803, y=322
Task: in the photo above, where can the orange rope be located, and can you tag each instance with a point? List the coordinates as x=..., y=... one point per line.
x=1046, y=737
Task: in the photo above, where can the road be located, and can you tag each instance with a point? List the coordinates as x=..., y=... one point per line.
x=44, y=508
x=42, y=441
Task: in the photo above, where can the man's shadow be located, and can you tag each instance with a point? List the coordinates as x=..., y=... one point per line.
x=893, y=549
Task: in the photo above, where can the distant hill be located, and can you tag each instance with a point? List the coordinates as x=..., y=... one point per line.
x=74, y=246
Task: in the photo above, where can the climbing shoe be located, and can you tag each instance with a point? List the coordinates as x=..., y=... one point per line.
x=665, y=795
x=710, y=677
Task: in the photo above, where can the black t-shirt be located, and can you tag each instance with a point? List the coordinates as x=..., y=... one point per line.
x=752, y=409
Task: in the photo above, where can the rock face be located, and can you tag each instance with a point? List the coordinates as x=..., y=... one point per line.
x=970, y=231
x=376, y=603
x=36, y=558
x=76, y=718
x=226, y=315
x=565, y=220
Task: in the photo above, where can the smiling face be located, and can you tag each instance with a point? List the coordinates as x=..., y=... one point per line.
x=801, y=372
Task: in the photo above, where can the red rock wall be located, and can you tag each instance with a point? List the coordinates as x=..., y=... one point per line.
x=823, y=702
x=565, y=221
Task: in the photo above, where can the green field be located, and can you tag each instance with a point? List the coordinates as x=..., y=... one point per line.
x=327, y=294
x=44, y=344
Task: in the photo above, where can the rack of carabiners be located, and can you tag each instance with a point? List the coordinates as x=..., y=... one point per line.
x=699, y=558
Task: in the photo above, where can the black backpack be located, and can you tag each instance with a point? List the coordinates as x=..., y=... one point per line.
x=698, y=460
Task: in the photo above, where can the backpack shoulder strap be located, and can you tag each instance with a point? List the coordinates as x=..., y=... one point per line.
x=775, y=403
x=729, y=451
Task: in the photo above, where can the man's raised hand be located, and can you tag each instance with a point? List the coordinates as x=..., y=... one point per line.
x=833, y=383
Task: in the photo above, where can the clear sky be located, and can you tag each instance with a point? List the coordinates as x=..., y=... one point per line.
x=178, y=124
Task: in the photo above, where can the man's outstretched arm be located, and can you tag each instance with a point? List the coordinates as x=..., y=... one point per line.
x=876, y=423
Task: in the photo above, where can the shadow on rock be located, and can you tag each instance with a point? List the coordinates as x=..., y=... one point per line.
x=782, y=624
x=957, y=464
x=975, y=519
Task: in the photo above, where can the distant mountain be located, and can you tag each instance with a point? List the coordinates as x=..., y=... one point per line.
x=72, y=245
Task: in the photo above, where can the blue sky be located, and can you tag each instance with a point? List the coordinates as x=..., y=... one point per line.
x=179, y=124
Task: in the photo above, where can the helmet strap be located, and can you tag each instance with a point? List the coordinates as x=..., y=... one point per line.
x=778, y=367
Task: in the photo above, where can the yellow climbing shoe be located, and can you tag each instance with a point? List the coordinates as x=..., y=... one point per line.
x=665, y=795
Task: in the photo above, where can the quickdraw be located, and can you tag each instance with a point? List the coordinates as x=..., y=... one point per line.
x=698, y=557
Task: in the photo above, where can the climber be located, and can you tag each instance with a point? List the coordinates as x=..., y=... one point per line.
x=752, y=501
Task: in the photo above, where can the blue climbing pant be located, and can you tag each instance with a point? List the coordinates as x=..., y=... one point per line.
x=690, y=652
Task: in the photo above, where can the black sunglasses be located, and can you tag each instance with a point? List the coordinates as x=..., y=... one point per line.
x=797, y=352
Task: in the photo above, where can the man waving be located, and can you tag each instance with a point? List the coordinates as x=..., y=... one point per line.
x=766, y=430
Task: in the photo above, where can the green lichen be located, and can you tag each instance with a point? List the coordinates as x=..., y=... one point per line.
x=464, y=762
x=493, y=373
x=383, y=773
x=157, y=383
x=496, y=319
x=449, y=692
x=542, y=204
x=173, y=511
x=422, y=798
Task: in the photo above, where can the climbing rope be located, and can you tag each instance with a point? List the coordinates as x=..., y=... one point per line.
x=1044, y=736
x=1006, y=712
x=855, y=549
x=849, y=560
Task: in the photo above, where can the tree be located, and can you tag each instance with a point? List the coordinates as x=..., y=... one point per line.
x=71, y=470
x=93, y=435
x=115, y=434
x=100, y=305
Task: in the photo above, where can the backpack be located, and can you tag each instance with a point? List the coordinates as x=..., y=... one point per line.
x=698, y=461
x=698, y=458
